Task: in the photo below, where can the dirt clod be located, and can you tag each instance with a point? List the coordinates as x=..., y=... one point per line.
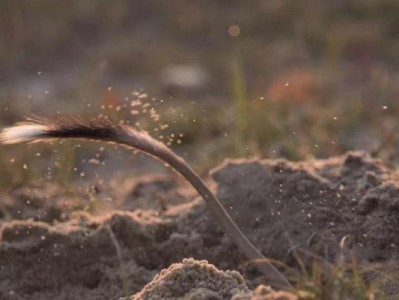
x=193, y=279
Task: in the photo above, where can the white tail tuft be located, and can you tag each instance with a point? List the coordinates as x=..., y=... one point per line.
x=22, y=133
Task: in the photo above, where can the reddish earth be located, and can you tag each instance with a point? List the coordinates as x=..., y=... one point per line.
x=53, y=247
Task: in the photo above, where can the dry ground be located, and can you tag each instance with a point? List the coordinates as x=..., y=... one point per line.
x=52, y=247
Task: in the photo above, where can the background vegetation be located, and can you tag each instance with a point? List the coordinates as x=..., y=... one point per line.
x=275, y=78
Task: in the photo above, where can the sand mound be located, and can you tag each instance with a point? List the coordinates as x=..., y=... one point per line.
x=314, y=204
x=199, y=280
x=193, y=279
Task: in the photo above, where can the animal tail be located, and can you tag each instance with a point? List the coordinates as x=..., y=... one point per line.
x=42, y=129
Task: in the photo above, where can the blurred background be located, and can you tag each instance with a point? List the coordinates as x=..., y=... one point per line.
x=214, y=79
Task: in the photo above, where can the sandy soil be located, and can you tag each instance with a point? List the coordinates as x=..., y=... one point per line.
x=53, y=247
